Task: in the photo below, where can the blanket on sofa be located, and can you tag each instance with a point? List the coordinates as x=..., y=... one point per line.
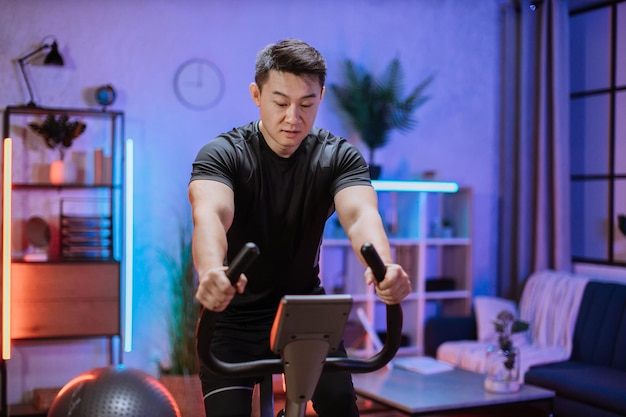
x=549, y=303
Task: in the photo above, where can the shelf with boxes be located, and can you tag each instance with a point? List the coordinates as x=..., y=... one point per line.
x=430, y=236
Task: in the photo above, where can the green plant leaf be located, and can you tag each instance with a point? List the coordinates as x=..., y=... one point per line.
x=376, y=106
x=184, y=308
x=519, y=326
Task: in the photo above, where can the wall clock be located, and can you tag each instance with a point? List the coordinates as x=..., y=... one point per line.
x=198, y=84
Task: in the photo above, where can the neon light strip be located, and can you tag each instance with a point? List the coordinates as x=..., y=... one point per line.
x=429, y=186
x=128, y=247
x=6, y=248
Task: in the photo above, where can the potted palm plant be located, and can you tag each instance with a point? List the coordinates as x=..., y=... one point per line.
x=180, y=373
x=59, y=133
x=377, y=105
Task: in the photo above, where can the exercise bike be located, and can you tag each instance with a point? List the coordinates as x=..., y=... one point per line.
x=305, y=330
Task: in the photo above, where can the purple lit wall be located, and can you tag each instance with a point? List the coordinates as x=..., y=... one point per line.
x=138, y=46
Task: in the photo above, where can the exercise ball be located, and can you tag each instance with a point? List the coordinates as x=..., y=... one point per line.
x=114, y=391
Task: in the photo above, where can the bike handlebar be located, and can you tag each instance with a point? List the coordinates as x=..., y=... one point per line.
x=242, y=261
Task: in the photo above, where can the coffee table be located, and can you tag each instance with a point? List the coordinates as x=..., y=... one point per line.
x=449, y=393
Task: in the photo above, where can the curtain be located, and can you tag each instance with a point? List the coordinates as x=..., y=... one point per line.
x=534, y=227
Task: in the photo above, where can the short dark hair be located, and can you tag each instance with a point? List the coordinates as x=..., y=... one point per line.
x=290, y=55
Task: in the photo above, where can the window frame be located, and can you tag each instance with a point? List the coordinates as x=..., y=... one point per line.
x=610, y=178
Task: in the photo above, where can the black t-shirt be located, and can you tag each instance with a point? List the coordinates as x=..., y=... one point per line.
x=281, y=204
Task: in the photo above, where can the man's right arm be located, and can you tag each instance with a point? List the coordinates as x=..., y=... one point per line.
x=213, y=208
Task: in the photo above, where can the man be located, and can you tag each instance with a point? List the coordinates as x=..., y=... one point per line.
x=274, y=182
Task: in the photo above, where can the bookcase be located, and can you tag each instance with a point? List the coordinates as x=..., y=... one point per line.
x=430, y=236
x=63, y=243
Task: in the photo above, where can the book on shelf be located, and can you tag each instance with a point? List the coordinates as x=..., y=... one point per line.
x=103, y=168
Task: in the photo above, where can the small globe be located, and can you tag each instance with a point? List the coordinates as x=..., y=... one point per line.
x=115, y=391
x=105, y=95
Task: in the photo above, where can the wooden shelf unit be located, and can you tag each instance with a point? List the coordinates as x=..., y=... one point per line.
x=64, y=296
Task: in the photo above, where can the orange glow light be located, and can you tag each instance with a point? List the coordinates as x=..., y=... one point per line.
x=6, y=248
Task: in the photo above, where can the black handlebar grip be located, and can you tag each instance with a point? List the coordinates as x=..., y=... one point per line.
x=373, y=260
x=244, y=258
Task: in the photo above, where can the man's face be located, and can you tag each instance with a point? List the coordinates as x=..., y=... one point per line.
x=288, y=105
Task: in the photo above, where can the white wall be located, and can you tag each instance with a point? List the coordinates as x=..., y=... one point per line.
x=138, y=45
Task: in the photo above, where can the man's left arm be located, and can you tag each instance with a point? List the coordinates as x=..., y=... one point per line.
x=357, y=209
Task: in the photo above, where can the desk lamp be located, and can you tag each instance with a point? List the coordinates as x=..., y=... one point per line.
x=52, y=58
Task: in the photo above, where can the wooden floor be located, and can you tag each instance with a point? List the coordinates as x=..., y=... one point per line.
x=25, y=410
x=367, y=408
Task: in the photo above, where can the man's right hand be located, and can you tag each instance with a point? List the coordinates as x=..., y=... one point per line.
x=215, y=290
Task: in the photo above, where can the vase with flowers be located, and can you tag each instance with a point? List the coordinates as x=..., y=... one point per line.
x=59, y=133
x=503, y=359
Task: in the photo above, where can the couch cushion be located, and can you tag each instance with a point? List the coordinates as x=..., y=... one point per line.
x=440, y=329
x=600, y=332
x=599, y=386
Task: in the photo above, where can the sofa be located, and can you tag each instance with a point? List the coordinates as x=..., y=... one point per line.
x=575, y=344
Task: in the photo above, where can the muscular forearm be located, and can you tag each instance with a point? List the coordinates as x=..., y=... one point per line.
x=357, y=208
x=209, y=244
x=212, y=211
x=368, y=227
x=212, y=207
